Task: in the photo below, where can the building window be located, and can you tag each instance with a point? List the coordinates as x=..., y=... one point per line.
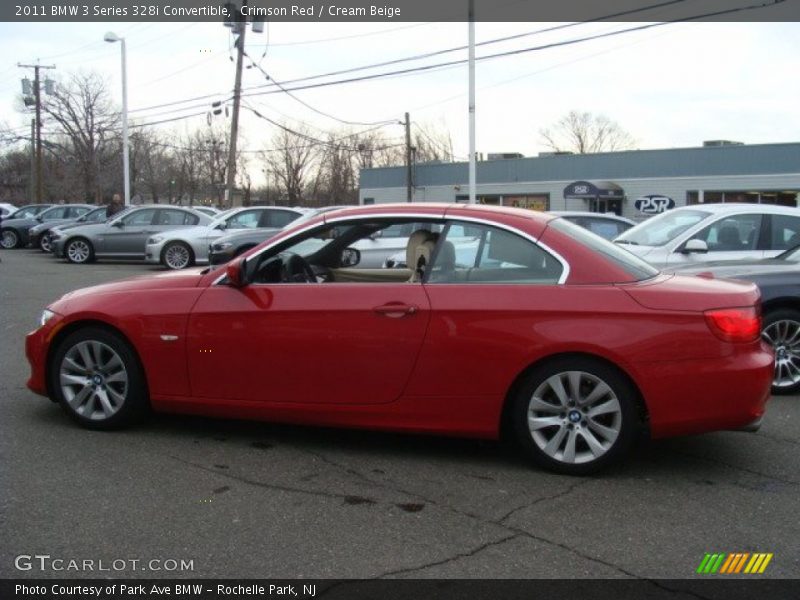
x=782, y=198
x=369, y=201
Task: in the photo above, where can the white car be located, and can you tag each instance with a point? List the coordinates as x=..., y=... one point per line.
x=714, y=232
x=182, y=248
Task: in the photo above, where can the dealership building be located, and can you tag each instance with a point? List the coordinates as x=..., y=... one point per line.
x=634, y=184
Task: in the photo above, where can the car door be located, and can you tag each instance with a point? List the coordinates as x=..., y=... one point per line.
x=126, y=236
x=731, y=237
x=482, y=294
x=306, y=343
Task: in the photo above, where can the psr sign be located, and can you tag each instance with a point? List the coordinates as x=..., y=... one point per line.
x=653, y=204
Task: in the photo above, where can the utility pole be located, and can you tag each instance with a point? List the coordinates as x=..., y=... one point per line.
x=38, y=99
x=237, y=97
x=472, y=156
x=33, y=161
x=409, y=187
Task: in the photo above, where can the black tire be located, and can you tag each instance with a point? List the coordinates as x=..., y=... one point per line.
x=72, y=253
x=174, y=250
x=547, y=444
x=9, y=239
x=778, y=328
x=126, y=403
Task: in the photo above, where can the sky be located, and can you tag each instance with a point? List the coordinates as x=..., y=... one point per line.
x=670, y=86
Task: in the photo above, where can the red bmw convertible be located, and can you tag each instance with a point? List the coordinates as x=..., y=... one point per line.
x=506, y=322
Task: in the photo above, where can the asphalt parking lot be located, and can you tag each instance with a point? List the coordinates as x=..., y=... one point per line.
x=262, y=500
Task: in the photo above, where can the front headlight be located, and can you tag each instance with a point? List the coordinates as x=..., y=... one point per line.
x=156, y=239
x=223, y=246
x=55, y=235
x=46, y=316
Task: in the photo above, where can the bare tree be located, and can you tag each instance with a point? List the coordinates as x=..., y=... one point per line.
x=432, y=144
x=290, y=161
x=586, y=133
x=83, y=114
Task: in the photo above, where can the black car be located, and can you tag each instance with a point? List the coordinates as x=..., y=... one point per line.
x=15, y=229
x=778, y=279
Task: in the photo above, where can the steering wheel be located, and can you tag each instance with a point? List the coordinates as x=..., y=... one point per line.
x=296, y=269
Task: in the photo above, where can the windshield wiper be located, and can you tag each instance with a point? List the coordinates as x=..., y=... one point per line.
x=632, y=243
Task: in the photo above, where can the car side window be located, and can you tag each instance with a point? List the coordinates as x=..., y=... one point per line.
x=139, y=218
x=492, y=255
x=77, y=211
x=55, y=213
x=731, y=234
x=785, y=232
x=277, y=218
x=170, y=216
x=247, y=219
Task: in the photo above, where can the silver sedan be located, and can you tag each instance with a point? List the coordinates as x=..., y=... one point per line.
x=181, y=248
x=123, y=237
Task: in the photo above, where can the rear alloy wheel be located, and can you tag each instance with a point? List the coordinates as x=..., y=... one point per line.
x=782, y=332
x=45, y=245
x=9, y=239
x=96, y=378
x=78, y=251
x=575, y=416
x=177, y=255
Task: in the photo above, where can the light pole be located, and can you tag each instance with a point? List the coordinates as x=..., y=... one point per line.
x=113, y=37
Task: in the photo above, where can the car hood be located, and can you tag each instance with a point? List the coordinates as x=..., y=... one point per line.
x=51, y=224
x=169, y=280
x=19, y=222
x=90, y=229
x=636, y=249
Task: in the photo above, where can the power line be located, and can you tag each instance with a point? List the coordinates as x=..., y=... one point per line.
x=315, y=140
x=307, y=105
x=422, y=56
x=454, y=63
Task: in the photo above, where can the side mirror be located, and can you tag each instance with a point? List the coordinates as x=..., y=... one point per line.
x=695, y=247
x=221, y=226
x=236, y=271
x=350, y=257
x=39, y=218
x=118, y=224
x=376, y=234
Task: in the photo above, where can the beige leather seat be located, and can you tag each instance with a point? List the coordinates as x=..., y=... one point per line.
x=418, y=252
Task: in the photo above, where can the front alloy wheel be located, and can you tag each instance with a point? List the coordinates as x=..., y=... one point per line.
x=177, y=256
x=45, y=244
x=78, y=251
x=782, y=332
x=575, y=416
x=96, y=378
x=10, y=239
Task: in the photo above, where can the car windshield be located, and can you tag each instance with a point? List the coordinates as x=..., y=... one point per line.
x=662, y=229
x=222, y=217
x=24, y=213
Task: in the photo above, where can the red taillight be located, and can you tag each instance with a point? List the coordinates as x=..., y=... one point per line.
x=735, y=324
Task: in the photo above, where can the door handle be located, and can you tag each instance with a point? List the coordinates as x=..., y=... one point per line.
x=396, y=310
